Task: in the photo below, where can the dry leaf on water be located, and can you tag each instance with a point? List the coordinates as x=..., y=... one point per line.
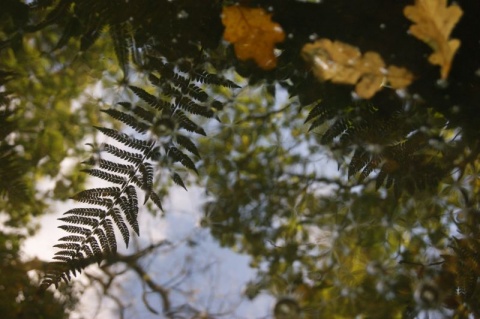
x=253, y=34
x=343, y=63
x=433, y=23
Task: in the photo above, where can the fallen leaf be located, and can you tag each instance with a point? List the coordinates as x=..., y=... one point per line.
x=343, y=63
x=253, y=34
x=433, y=23
x=398, y=78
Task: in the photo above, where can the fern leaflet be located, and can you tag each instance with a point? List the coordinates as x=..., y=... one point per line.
x=178, y=156
x=127, y=119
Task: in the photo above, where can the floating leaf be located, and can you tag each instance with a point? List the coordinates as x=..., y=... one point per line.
x=433, y=23
x=253, y=34
x=343, y=63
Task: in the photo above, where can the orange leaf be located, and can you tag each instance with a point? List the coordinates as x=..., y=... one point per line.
x=253, y=34
x=433, y=23
x=343, y=63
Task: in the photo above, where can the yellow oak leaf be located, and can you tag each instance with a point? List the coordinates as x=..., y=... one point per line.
x=343, y=63
x=253, y=34
x=433, y=23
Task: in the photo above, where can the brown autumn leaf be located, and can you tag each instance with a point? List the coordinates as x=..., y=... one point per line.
x=343, y=63
x=433, y=23
x=253, y=34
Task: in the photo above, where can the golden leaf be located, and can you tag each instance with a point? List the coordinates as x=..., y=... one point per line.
x=433, y=23
x=343, y=63
x=398, y=78
x=253, y=34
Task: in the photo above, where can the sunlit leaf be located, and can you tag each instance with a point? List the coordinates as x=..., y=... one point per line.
x=343, y=63
x=433, y=23
x=253, y=34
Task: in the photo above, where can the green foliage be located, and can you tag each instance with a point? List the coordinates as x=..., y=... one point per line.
x=15, y=188
x=45, y=126
x=20, y=296
x=341, y=247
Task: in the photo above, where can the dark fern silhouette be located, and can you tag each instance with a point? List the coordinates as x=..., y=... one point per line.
x=163, y=119
x=389, y=142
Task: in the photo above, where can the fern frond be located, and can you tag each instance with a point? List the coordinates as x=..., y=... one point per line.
x=121, y=226
x=124, y=204
x=147, y=175
x=110, y=234
x=71, y=246
x=148, y=98
x=102, y=239
x=87, y=212
x=72, y=238
x=62, y=258
x=216, y=105
x=359, y=160
x=96, y=250
x=317, y=110
x=194, y=108
x=147, y=179
x=131, y=157
x=371, y=165
x=127, y=119
x=335, y=130
x=178, y=156
x=178, y=180
x=137, y=180
x=124, y=169
x=183, y=88
x=76, y=229
x=96, y=201
x=144, y=114
x=154, y=80
x=140, y=145
x=112, y=178
x=213, y=79
x=196, y=92
x=172, y=89
x=68, y=253
x=80, y=220
x=126, y=105
x=156, y=200
x=187, y=143
x=97, y=193
x=130, y=214
x=132, y=199
x=155, y=154
x=130, y=211
x=186, y=123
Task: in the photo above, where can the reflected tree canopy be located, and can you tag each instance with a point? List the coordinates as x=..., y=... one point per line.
x=337, y=144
